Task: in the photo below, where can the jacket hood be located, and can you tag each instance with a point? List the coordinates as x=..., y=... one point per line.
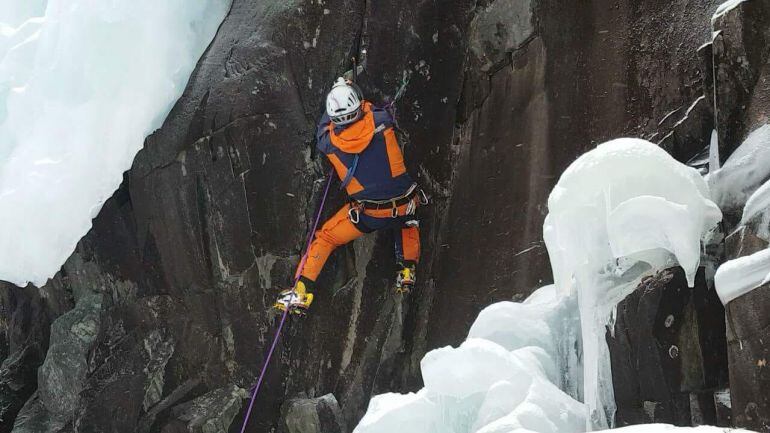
x=354, y=138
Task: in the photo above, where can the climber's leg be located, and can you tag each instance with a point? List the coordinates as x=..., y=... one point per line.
x=337, y=231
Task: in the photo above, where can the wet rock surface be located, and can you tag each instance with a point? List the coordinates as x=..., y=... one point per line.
x=186, y=258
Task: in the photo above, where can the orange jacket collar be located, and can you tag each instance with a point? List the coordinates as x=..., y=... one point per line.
x=356, y=136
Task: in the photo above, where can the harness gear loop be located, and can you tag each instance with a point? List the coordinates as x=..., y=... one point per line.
x=394, y=212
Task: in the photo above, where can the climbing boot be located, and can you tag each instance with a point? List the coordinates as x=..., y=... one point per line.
x=405, y=278
x=296, y=300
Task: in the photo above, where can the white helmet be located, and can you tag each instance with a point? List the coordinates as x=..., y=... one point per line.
x=343, y=103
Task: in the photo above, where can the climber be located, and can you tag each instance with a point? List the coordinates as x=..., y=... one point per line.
x=360, y=142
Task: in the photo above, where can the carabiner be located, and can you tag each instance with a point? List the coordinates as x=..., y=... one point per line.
x=423, y=197
x=354, y=215
x=410, y=208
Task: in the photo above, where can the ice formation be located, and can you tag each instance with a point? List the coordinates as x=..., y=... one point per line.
x=82, y=83
x=742, y=275
x=744, y=171
x=757, y=207
x=725, y=7
x=714, y=152
x=748, y=172
x=743, y=181
x=619, y=212
x=507, y=376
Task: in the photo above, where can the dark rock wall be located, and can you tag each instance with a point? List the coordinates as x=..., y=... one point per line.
x=741, y=72
x=668, y=352
x=168, y=294
x=742, y=81
x=737, y=91
x=579, y=74
x=748, y=326
x=25, y=331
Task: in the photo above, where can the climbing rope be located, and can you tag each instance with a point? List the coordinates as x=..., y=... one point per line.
x=310, y=235
x=390, y=106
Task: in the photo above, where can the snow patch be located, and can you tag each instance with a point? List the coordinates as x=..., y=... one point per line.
x=82, y=83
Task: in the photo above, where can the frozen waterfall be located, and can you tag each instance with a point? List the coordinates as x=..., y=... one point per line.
x=82, y=83
x=620, y=212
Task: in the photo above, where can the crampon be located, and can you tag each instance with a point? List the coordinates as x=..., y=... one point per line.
x=295, y=301
x=405, y=280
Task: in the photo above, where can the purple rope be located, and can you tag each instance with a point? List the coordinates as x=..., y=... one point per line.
x=255, y=390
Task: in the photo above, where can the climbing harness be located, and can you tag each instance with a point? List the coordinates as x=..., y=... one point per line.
x=310, y=235
x=409, y=201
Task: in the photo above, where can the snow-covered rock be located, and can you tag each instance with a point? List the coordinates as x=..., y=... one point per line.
x=81, y=86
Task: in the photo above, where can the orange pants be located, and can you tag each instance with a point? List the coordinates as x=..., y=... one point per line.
x=339, y=230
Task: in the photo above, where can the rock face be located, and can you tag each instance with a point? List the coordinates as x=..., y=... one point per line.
x=668, y=352
x=741, y=71
x=211, y=413
x=162, y=311
x=748, y=326
x=742, y=81
x=25, y=325
x=313, y=415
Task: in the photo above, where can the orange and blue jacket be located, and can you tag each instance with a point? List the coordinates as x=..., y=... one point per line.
x=368, y=147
